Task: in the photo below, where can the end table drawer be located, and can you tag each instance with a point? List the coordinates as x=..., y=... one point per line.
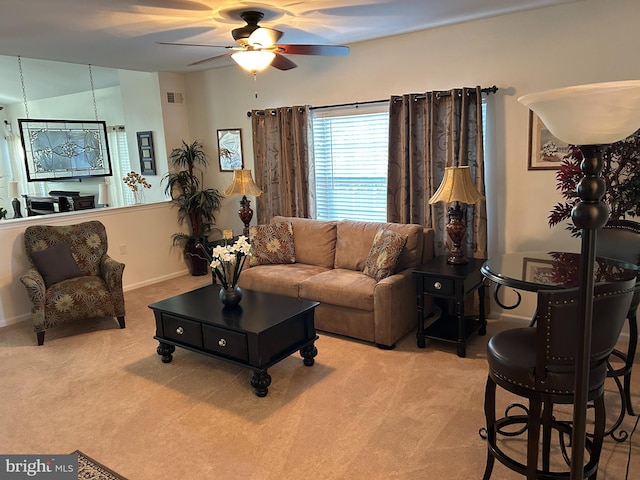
x=226, y=342
x=439, y=286
x=182, y=330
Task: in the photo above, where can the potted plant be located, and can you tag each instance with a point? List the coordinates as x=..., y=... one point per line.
x=196, y=204
x=621, y=173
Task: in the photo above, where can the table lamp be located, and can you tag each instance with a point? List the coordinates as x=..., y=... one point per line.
x=457, y=187
x=590, y=117
x=243, y=184
x=13, y=193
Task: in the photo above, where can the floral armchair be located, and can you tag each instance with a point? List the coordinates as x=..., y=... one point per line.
x=71, y=276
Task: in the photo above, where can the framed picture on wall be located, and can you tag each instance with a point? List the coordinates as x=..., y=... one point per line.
x=230, y=150
x=145, y=151
x=535, y=270
x=545, y=151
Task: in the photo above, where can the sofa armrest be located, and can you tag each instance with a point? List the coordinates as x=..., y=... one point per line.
x=395, y=307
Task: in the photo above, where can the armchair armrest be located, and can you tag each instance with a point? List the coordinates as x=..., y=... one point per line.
x=111, y=271
x=34, y=283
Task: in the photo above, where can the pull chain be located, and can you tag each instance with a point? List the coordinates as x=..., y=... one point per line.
x=24, y=90
x=93, y=93
x=255, y=84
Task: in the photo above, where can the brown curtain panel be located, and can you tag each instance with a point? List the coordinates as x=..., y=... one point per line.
x=281, y=148
x=428, y=132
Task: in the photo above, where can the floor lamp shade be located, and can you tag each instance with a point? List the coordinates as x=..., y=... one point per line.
x=457, y=186
x=594, y=114
x=589, y=116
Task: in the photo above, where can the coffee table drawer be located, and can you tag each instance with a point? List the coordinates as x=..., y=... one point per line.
x=182, y=330
x=225, y=342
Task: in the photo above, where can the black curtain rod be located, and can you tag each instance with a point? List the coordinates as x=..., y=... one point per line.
x=492, y=89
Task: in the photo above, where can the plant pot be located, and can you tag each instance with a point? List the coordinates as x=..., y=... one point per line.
x=196, y=263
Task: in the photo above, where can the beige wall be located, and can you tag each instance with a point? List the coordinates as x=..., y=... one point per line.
x=583, y=42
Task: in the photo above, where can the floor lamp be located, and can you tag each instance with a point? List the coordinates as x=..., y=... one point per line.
x=591, y=117
x=243, y=184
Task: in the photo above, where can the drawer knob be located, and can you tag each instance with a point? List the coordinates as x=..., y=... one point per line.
x=437, y=285
x=179, y=330
x=222, y=342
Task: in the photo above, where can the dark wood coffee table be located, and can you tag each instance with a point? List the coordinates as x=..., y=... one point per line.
x=256, y=334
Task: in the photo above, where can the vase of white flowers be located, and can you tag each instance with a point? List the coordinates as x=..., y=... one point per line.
x=227, y=262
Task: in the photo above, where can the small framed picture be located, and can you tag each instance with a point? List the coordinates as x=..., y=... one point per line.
x=545, y=151
x=230, y=150
x=536, y=270
x=145, y=151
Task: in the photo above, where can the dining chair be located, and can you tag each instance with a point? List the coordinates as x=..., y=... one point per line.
x=538, y=364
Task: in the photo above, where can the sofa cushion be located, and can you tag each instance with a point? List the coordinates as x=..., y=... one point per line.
x=278, y=279
x=56, y=263
x=272, y=244
x=341, y=287
x=383, y=256
x=314, y=240
x=354, y=240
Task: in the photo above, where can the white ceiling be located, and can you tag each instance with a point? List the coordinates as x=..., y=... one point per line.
x=123, y=33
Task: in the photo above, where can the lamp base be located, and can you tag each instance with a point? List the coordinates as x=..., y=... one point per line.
x=456, y=229
x=246, y=214
x=15, y=203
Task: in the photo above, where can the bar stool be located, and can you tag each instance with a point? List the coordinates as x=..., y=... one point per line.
x=620, y=239
x=539, y=364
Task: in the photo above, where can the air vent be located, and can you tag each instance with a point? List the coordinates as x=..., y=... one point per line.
x=175, y=97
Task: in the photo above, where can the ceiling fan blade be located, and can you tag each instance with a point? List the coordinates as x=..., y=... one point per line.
x=282, y=63
x=209, y=59
x=330, y=50
x=199, y=45
x=264, y=37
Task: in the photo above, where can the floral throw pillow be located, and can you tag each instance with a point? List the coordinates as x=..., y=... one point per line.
x=383, y=256
x=271, y=243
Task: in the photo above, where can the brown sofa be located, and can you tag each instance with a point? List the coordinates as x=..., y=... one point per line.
x=329, y=259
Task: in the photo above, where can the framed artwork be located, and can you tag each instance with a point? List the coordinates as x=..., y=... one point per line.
x=64, y=149
x=145, y=151
x=535, y=270
x=230, y=150
x=545, y=151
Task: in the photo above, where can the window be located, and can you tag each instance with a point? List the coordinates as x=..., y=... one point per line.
x=351, y=157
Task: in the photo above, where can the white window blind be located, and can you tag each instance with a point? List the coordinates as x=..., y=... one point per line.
x=351, y=157
x=119, y=194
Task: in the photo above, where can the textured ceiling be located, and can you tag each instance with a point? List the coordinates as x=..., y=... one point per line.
x=124, y=33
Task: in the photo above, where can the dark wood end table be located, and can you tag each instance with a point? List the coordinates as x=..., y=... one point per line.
x=442, y=280
x=263, y=330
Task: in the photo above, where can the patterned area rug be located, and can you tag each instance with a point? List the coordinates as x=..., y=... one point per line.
x=89, y=469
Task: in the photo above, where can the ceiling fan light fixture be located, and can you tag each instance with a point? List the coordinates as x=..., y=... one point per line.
x=253, y=60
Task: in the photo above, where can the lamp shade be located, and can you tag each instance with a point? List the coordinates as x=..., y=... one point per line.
x=103, y=194
x=242, y=184
x=13, y=189
x=457, y=186
x=593, y=114
x=253, y=60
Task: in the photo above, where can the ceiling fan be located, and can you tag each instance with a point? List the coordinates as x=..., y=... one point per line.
x=257, y=46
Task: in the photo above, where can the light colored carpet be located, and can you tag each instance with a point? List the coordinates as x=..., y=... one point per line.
x=358, y=413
